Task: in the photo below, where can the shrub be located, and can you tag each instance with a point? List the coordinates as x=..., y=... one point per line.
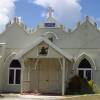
x=78, y=85
x=86, y=87
x=74, y=85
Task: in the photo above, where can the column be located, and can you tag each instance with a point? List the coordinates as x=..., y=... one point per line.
x=22, y=70
x=63, y=77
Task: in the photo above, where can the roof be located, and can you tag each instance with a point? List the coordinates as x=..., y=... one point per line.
x=37, y=42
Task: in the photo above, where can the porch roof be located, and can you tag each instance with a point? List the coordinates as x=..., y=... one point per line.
x=37, y=42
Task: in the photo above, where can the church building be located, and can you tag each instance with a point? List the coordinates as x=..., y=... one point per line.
x=45, y=58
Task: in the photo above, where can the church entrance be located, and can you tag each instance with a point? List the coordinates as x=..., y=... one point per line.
x=46, y=78
x=49, y=76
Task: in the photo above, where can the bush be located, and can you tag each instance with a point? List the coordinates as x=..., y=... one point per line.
x=74, y=85
x=78, y=85
x=87, y=87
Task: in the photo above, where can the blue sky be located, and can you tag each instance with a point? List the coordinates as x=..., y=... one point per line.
x=67, y=12
x=90, y=7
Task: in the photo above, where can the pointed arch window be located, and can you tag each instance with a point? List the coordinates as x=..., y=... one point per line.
x=85, y=70
x=14, y=72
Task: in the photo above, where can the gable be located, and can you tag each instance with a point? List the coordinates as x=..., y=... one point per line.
x=82, y=37
x=34, y=52
x=46, y=41
x=15, y=37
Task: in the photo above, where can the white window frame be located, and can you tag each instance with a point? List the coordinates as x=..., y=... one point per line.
x=14, y=75
x=84, y=71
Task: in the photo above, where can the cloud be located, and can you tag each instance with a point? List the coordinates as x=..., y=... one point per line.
x=66, y=11
x=7, y=8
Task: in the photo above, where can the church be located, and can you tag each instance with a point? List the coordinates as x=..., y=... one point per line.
x=45, y=58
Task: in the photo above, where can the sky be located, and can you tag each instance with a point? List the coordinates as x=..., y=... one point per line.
x=32, y=12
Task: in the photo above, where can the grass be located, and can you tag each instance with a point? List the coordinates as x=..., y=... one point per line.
x=83, y=97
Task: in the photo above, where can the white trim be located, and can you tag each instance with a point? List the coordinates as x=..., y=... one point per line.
x=28, y=73
x=89, y=59
x=84, y=56
x=14, y=75
x=84, y=73
x=61, y=65
x=37, y=42
x=36, y=63
x=63, y=77
x=22, y=72
x=2, y=43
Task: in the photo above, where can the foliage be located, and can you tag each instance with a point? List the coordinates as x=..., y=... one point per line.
x=78, y=85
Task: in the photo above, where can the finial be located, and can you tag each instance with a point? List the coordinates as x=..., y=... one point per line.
x=50, y=11
x=87, y=18
x=69, y=30
x=62, y=27
x=16, y=20
x=95, y=24
x=78, y=24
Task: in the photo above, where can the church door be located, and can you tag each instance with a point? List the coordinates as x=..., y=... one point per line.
x=49, y=76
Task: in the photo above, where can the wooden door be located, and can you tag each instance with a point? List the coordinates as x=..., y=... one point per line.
x=49, y=76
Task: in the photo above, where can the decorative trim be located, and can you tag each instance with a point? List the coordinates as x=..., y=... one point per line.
x=81, y=57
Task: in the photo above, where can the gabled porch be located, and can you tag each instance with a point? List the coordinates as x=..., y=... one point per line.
x=45, y=73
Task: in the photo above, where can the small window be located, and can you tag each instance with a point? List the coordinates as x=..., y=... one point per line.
x=43, y=51
x=50, y=25
x=51, y=39
x=15, y=64
x=84, y=64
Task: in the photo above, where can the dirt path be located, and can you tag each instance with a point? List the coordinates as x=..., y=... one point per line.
x=32, y=97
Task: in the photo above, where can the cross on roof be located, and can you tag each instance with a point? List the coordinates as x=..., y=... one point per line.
x=50, y=11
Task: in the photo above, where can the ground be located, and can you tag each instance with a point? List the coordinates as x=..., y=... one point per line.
x=37, y=97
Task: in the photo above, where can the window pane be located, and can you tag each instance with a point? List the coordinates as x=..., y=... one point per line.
x=43, y=51
x=51, y=39
x=81, y=73
x=11, y=76
x=88, y=74
x=18, y=75
x=49, y=24
x=15, y=64
x=84, y=64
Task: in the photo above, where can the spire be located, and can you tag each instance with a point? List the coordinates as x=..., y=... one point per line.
x=50, y=12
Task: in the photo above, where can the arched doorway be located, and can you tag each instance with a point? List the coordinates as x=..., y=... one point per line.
x=85, y=69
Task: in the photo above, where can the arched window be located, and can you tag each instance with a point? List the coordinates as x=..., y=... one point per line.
x=14, y=72
x=51, y=37
x=85, y=70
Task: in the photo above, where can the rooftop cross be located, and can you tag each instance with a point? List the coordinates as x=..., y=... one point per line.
x=50, y=11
